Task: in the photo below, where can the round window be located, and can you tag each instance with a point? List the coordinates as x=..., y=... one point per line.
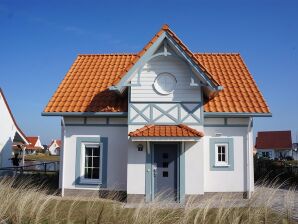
x=165, y=83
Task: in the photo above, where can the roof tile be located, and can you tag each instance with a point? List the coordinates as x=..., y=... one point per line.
x=166, y=131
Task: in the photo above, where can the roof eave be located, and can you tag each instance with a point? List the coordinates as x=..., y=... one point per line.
x=236, y=114
x=86, y=114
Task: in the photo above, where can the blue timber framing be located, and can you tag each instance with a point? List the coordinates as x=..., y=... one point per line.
x=165, y=112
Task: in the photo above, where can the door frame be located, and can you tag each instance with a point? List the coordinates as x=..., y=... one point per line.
x=149, y=177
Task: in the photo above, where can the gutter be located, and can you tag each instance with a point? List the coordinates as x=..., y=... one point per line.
x=232, y=114
x=86, y=114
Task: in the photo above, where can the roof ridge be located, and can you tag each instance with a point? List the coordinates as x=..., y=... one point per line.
x=108, y=54
x=217, y=53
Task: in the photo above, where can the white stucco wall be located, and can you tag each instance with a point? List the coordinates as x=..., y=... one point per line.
x=136, y=168
x=229, y=181
x=8, y=131
x=117, y=153
x=194, y=168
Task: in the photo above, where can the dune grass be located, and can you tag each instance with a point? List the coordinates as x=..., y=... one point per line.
x=23, y=202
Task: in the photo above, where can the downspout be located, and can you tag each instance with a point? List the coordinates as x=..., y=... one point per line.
x=61, y=165
x=248, y=162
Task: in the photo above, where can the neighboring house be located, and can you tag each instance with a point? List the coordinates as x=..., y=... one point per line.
x=165, y=120
x=34, y=145
x=54, y=147
x=274, y=144
x=10, y=133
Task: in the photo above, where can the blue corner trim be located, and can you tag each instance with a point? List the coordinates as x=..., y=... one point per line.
x=230, y=143
x=181, y=174
x=104, y=158
x=148, y=173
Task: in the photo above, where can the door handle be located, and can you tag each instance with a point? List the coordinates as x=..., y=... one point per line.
x=154, y=172
x=154, y=169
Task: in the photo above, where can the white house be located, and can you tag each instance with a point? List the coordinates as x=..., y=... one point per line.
x=54, y=147
x=10, y=133
x=164, y=120
x=34, y=145
x=274, y=144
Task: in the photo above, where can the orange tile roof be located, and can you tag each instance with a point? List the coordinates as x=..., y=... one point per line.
x=240, y=92
x=85, y=87
x=166, y=131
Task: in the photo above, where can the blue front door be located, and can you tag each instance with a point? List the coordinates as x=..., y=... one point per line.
x=165, y=171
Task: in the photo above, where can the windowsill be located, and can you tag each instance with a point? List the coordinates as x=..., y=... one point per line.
x=222, y=165
x=90, y=182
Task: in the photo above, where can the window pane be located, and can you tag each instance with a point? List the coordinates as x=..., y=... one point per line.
x=96, y=151
x=223, y=156
x=219, y=149
x=165, y=155
x=223, y=149
x=95, y=174
x=165, y=164
x=95, y=161
x=219, y=158
x=88, y=161
x=88, y=151
x=87, y=173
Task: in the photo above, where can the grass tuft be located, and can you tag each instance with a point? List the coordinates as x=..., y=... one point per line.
x=23, y=202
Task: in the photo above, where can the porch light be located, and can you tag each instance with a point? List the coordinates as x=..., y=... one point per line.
x=140, y=147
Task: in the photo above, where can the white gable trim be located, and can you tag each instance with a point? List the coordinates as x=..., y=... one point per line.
x=140, y=63
x=150, y=53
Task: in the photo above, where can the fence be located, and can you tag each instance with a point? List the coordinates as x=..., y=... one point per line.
x=44, y=167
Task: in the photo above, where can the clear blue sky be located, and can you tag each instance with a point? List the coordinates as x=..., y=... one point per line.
x=39, y=40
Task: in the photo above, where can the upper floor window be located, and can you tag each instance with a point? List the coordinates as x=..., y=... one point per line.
x=165, y=83
x=221, y=155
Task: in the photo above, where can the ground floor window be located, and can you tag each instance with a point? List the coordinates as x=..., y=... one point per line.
x=266, y=154
x=91, y=164
x=221, y=154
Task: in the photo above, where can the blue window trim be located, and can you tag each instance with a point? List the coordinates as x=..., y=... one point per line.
x=103, y=141
x=212, y=143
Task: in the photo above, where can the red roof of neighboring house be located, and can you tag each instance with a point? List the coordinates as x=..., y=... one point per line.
x=32, y=142
x=12, y=117
x=166, y=131
x=85, y=87
x=274, y=140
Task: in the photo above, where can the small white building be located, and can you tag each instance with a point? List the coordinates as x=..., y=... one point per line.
x=55, y=147
x=165, y=120
x=274, y=144
x=10, y=133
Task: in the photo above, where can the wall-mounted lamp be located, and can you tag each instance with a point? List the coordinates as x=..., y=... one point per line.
x=140, y=147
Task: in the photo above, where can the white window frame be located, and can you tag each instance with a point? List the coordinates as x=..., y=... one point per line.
x=222, y=163
x=84, y=180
